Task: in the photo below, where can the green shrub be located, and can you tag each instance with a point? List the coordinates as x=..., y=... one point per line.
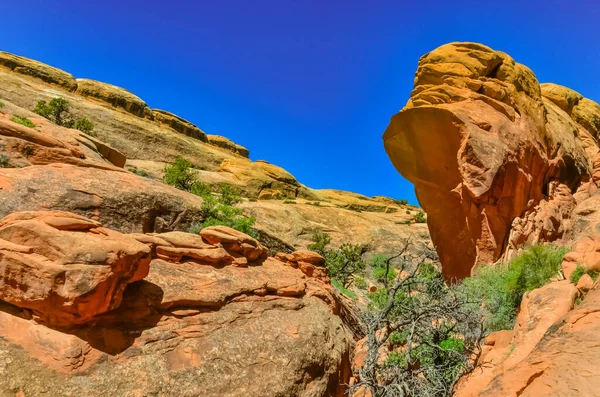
x=398, y=338
x=401, y=202
x=84, y=125
x=378, y=264
x=360, y=282
x=407, y=212
x=180, y=174
x=195, y=228
x=216, y=212
x=501, y=287
x=580, y=271
x=56, y=111
x=320, y=243
x=1, y=105
x=142, y=173
x=343, y=262
x=229, y=194
x=342, y=289
x=420, y=217
x=4, y=161
x=287, y=201
x=252, y=199
x=22, y=120
x=200, y=189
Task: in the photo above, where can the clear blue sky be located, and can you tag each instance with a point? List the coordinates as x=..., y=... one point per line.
x=309, y=85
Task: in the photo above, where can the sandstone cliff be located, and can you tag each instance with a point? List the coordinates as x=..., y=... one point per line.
x=497, y=160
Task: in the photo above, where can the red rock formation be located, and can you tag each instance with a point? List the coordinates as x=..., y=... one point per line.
x=201, y=322
x=487, y=149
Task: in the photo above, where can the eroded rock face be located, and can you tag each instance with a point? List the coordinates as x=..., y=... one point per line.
x=228, y=144
x=38, y=70
x=485, y=148
x=115, y=96
x=206, y=324
x=179, y=124
x=65, y=268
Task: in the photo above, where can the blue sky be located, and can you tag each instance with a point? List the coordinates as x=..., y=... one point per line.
x=308, y=85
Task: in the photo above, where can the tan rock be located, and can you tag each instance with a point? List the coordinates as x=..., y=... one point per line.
x=38, y=70
x=115, y=96
x=228, y=144
x=179, y=124
x=585, y=283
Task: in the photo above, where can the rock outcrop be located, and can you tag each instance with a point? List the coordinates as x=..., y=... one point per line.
x=38, y=70
x=551, y=351
x=497, y=161
x=115, y=96
x=179, y=124
x=83, y=308
x=228, y=144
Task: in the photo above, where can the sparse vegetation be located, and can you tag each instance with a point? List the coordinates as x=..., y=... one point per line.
x=195, y=228
x=342, y=262
x=315, y=203
x=252, y=199
x=1, y=105
x=217, y=208
x=431, y=332
x=22, y=120
x=500, y=288
x=419, y=217
x=580, y=271
x=57, y=111
x=288, y=201
x=340, y=287
x=4, y=161
x=28, y=151
x=381, y=270
x=84, y=125
x=401, y=202
x=142, y=173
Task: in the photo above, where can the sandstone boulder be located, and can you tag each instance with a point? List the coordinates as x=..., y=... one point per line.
x=208, y=328
x=65, y=268
x=482, y=147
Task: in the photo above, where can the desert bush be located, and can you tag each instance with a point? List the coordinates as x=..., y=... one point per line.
x=84, y=125
x=580, y=271
x=142, y=173
x=195, y=228
x=1, y=105
x=287, y=201
x=343, y=262
x=381, y=270
x=56, y=111
x=22, y=120
x=360, y=282
x=4, y=161
x=340, y=287
x=432, y=332
x=500, y=288
x=420, y=217
x=180, y=174
x=320, y=241
x=401, y=202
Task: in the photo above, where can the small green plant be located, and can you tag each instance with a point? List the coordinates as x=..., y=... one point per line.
x=320, y=241
x=407, y=222
x=420, y=217
x=4, y=161
x=580, y=271
x=56, y=111
x=142, y=173
x=398, y=338
x=502, y=286
x=1, y=105
x=217, y=212
x=287, y=201
x=200, y=189
x=401, y=202
x=380, y=271
x=84, y=125
x=315, y=203
x=195, y=228
x=180, y=174
x=360, y=282
x=342, y=289
x=252, y=199
x=22, y=120
x=229, y=194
